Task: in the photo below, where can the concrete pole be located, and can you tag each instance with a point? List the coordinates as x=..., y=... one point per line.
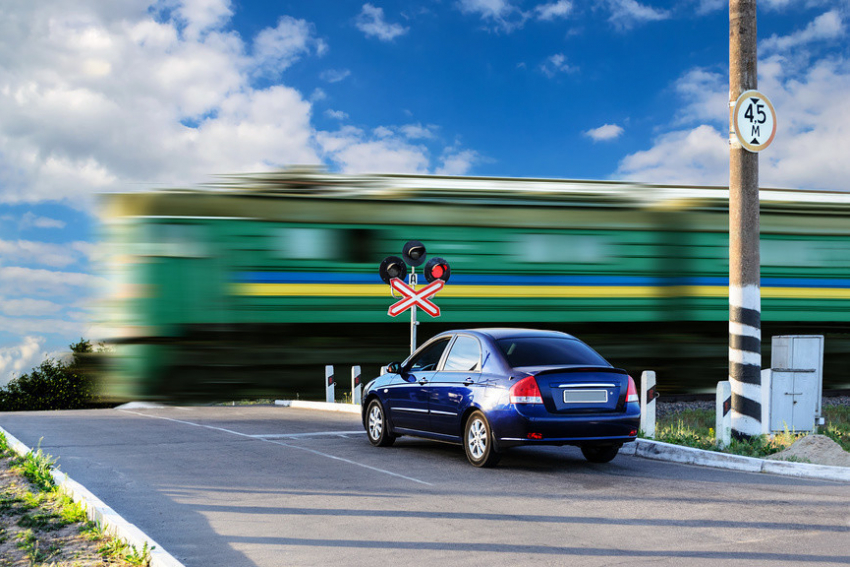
x=744, y=291
x=647, y=403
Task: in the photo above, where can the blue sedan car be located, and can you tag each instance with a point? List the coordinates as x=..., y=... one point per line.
x=491, y=389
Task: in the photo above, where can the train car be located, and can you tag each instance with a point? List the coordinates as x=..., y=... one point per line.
x=248, y=287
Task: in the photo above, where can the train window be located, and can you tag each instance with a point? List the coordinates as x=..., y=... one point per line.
x=173, y=240
x=306, y=243
x=808, y=253
x=561, y=248
x=335, y=244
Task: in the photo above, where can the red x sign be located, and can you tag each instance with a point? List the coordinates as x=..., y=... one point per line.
x=413, y=297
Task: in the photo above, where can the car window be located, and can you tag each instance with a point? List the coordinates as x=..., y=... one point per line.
x=548, y=351
x=428, y=358
x=464, y=356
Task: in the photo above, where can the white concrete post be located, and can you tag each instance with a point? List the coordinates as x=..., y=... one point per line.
x=329, y=384
x=766, y=391
x=723, y=418
x=356, y=386
x=647, y=403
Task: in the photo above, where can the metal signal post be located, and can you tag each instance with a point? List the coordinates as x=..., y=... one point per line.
x=411, y=280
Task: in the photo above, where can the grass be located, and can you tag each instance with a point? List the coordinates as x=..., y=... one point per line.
x=30, y=513
x=695, y=428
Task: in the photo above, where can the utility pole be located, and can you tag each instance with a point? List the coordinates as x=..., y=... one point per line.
x=744, y=273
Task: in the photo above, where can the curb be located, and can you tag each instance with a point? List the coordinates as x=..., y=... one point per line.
x=658, y=451
x=98, y=511
x=323, y=406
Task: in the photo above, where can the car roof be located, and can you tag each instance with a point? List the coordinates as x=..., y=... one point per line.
x=498, y=333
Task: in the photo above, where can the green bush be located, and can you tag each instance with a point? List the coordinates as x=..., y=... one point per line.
x=52, y=385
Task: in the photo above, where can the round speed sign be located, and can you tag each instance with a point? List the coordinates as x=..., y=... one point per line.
x=755, y=121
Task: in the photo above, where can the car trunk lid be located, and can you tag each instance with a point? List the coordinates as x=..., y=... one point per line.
x=581, y=389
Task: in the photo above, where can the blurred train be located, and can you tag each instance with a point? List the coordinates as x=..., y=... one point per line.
x=248, y=287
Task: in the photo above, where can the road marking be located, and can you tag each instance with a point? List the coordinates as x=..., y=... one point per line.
x=335, y=458
x=316, y=434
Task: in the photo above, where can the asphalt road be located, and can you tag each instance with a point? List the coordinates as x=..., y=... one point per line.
x=273, y=486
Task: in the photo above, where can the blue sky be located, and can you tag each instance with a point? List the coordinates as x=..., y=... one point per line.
x=99, y=96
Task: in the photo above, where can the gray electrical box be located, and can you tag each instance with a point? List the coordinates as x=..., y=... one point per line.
x=796, y=382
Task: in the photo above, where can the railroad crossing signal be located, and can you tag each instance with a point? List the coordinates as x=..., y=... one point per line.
x=393, y=270
x=415, y=298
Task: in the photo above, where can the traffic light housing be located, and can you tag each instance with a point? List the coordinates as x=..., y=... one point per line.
x=413, y=253
x=392, y=267
x=437, y=269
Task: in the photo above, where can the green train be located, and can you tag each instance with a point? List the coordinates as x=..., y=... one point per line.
x=250, y=286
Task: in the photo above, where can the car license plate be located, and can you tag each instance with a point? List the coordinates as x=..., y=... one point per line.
x=585, y=396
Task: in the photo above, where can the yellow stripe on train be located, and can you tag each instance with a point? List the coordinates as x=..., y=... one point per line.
x=532, y=291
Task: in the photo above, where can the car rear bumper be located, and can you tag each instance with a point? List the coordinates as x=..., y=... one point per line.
x=511, y=427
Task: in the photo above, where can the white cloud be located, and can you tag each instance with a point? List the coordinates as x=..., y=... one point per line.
x=825, y=27
x=43, y=253
x=30, y=220
x=553, y=10
x=456, y=162
x=18, y=359
x=101, y=96
x=371, y=22
x=334, y=75
x=555, y=64
x=27, y=307
x=418, y=131
x=605, y=133
x=626, y=14
x=502, y=14
x=277, y=48
x=354, y=152
x=694, y=157
x=336, y=114
x=813, y=124
x=16, y=281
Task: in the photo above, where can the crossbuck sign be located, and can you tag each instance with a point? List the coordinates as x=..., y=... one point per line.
x=415, y=298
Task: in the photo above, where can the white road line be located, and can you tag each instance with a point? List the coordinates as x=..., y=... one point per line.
x=316, y=434
x=390, y=473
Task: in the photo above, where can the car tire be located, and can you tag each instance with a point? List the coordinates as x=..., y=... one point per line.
x=478, y=441
x=377, y=429
x=600, y=453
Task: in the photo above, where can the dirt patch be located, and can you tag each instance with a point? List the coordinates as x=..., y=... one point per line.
x=34, y=530
x=815, y=449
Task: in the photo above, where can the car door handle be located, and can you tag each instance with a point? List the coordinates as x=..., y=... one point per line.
x=468, y=381
x=422, y=381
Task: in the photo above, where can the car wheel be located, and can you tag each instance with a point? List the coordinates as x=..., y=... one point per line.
x=376, y=426
x=600, y=453
x=478, y=441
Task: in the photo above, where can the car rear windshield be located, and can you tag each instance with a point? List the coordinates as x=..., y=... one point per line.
x=549, y=351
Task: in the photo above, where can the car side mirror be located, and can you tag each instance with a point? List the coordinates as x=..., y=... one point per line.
x=394, y=367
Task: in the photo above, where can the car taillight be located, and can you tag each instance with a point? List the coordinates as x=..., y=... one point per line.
x=526, y=392
x=632, y=395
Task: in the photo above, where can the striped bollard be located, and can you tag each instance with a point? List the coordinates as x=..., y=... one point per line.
x=329, y=384
x=723, y=419
x=647, y=403
x=356, y=385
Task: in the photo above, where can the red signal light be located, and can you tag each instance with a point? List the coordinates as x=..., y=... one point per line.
x=437, y=269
